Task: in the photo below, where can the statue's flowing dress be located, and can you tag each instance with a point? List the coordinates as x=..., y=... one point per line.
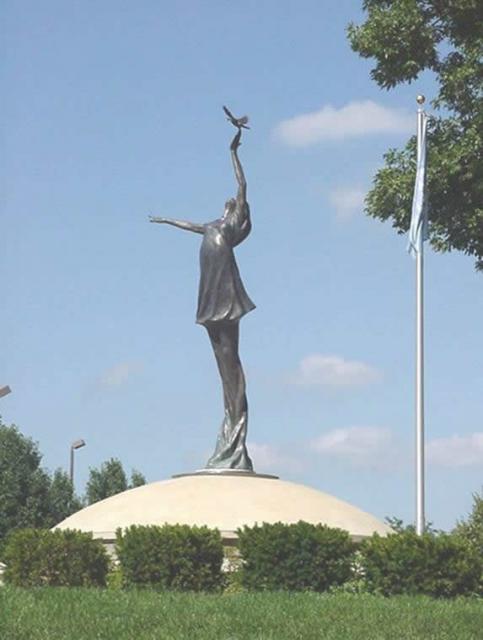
x=222, y=301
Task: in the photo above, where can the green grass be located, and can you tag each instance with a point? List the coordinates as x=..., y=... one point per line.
x=90, y=614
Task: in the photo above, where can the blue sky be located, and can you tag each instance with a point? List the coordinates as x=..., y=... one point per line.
x=112, y=111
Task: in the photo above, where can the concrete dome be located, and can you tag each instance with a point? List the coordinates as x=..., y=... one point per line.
x=225, y=502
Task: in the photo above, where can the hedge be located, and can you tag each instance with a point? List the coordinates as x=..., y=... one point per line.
x=37, y=557
x=440, y=565
x=175, y=557
x=294, y=557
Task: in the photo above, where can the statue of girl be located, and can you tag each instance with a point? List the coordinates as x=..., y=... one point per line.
x=222, y=302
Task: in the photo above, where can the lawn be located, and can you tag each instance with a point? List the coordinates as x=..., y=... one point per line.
x=90, y=614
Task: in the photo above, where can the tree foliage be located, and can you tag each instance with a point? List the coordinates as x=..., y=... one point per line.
x=471, y=530
x=29, y=495
x=24, y=485
x=399, y=526
x=61, y=498
x=405, y=38
x=137, y=479
x=110, y=479
x=106, y=481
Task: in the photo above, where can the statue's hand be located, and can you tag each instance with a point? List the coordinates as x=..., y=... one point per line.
x=235, y=143
x=154, y=219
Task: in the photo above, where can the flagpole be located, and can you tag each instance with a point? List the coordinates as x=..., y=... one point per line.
x=420, y=515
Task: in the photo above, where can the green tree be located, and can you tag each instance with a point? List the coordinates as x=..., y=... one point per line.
x=110, y=479
x=106, y=481
x=24, y=485
x=406, y=37
x=471, y=529
x=399, y=526
x=61, y=498
x=137, y=479
x=29, y=496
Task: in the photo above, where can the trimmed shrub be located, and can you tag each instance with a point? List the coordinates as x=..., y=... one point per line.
x=37, y=557
x=294, y=557
x=440, y=565
x=175, y=557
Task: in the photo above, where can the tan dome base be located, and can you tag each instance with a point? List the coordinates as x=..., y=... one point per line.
x=222, y=501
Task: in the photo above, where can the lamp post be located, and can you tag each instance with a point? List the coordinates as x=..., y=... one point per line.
x=4, y=391
x=78, y=444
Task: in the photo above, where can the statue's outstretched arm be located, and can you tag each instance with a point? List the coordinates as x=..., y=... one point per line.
x=181, y=224
x=240, y=176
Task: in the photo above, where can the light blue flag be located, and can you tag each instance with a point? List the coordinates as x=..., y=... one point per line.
x=418, y=231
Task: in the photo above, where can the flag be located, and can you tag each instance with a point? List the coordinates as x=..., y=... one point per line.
x=418, y=231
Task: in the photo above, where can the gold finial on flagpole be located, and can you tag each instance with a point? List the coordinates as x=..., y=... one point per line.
x=420, y=99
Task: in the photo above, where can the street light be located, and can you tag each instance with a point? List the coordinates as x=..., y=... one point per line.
x=4, y=391
x=78, y=444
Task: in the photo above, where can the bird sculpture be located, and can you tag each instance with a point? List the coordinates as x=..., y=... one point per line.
x=240, y=123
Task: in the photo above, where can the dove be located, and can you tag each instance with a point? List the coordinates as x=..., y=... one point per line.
x=241, y=123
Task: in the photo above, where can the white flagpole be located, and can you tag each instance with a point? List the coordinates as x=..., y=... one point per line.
x=420, y=516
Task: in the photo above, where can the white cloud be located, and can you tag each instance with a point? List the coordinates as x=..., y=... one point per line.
x=118, y=374
x=456, y=451
x=353, y=120
x=347, y=201
x=362, y=445
x=333, y=371
x=269, y=458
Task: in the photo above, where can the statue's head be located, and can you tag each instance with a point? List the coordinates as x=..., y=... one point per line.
x=230, y=206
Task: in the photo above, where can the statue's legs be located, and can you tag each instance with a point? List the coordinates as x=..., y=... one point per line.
x=230, y=452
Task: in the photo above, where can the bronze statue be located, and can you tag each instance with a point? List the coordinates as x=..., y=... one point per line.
x=222, y=301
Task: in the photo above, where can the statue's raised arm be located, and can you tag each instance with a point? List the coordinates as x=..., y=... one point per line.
x=240, y=176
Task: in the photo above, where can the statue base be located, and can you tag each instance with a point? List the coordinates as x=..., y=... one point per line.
x=239, y=473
